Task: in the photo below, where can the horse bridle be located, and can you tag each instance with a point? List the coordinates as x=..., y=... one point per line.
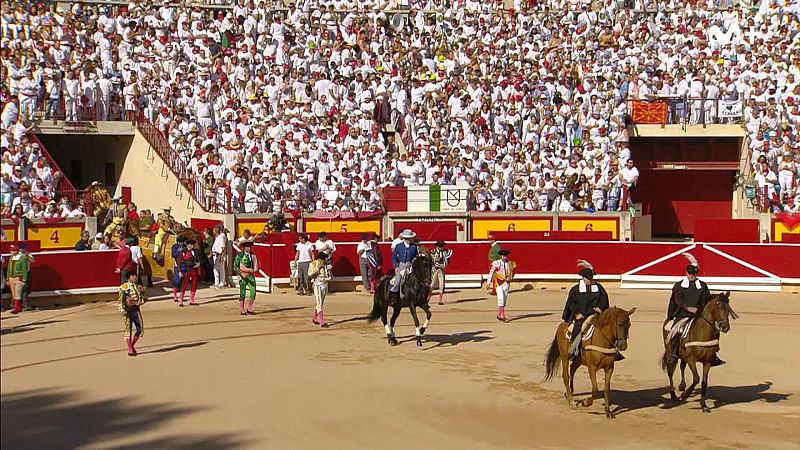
x=613, y=342
x=716, y=324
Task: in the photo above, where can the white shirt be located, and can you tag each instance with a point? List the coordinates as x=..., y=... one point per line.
x=220, y=242
x=363, y=248
x=136, y=254
x=327, y=246
x=304, y=251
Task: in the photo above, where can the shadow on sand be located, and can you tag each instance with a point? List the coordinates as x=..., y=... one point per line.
x=59, y=419
x=469, y=300
x=529, y=316
x=718, y=397
x=176, y=347
x=451, y=340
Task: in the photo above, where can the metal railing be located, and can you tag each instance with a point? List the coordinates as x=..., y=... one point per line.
x=64, y=187
x=685, y=110
x=179, y=167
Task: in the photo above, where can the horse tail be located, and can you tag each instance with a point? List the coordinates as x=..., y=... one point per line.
x=377, y=304
x=551, y=363
x=664, y=361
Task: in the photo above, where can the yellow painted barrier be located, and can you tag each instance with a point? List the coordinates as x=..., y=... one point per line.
x=56, y=236
x=482, y=227
x=591, y=224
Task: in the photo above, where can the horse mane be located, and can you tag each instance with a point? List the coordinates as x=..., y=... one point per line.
x=609, y=316
x=724, y=302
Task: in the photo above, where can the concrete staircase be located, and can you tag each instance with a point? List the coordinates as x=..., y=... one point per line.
x=154, y=186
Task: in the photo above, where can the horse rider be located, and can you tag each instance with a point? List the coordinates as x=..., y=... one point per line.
x=686, y=302
x=500, y=276
x=584, y=300
x=101, y=199
x=166, y=224
x=119, y=216
x=402, y=257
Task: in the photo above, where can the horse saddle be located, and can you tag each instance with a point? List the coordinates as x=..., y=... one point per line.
x=587, y=328
x=680, y=326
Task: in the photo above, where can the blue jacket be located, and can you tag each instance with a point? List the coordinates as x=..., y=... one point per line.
x=403, y=254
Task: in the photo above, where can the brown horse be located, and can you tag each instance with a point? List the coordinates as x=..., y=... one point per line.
x=610, y=337
x=700, y=345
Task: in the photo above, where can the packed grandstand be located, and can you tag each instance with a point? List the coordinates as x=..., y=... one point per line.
x=322, y=104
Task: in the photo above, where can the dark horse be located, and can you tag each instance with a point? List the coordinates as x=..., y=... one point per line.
x=701, y=344
x=415, y=289
x=610, y=337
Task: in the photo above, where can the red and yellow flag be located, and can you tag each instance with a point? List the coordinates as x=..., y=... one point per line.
x=649, y=112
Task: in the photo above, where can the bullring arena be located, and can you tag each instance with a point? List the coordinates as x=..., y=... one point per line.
x=207, y=378
x=201, y=145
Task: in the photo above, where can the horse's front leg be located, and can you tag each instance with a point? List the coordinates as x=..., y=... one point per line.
x=671, y=365
x=572, y=369
x=567, y=374
x=682, y=386
x=595, y=391
x=395, y=312
x=695, y=379
x=703, y=387
x=607, y=392
x=417, y=331
x=428, y=315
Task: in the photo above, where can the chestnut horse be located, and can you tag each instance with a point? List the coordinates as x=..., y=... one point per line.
x=610, y=337
x=700, y=345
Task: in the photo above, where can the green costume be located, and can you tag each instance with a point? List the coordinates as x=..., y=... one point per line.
x=247, y=260
x=494, y=252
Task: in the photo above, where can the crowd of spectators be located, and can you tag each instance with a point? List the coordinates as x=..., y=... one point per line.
x=321, y=105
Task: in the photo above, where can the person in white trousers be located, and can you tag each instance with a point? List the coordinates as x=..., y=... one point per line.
x=500, y=275
x=218, y=251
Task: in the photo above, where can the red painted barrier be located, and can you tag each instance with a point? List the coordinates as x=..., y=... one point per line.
x=68, y=270
x=33, y=246
x=791, y=238
x=553, y=235
x=559, y=259
x=726, y=230
x=445, y=230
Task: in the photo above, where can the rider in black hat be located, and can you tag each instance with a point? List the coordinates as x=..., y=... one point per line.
x=585, y=299
x=689, y=297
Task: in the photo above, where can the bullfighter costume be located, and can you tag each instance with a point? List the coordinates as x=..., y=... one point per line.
x=17, y=276
x=441, y=258
x=166, y=224
x=131, y=297
x=246, y=264
x=500, y=276
x=189, y=262
x=177, y=270
x=320, y=274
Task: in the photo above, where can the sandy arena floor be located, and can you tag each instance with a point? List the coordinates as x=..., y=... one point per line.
x=209, y=378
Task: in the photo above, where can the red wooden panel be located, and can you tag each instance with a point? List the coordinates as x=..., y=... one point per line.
x=711, y=264
x=396, y=198
x=790, y=238
x=726, y=230
x=777, y=259
x=33, y=246
x=446, y=230
x=201, y=224
x=74, y=270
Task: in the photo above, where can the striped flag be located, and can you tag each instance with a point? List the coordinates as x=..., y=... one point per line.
x=425, y=198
